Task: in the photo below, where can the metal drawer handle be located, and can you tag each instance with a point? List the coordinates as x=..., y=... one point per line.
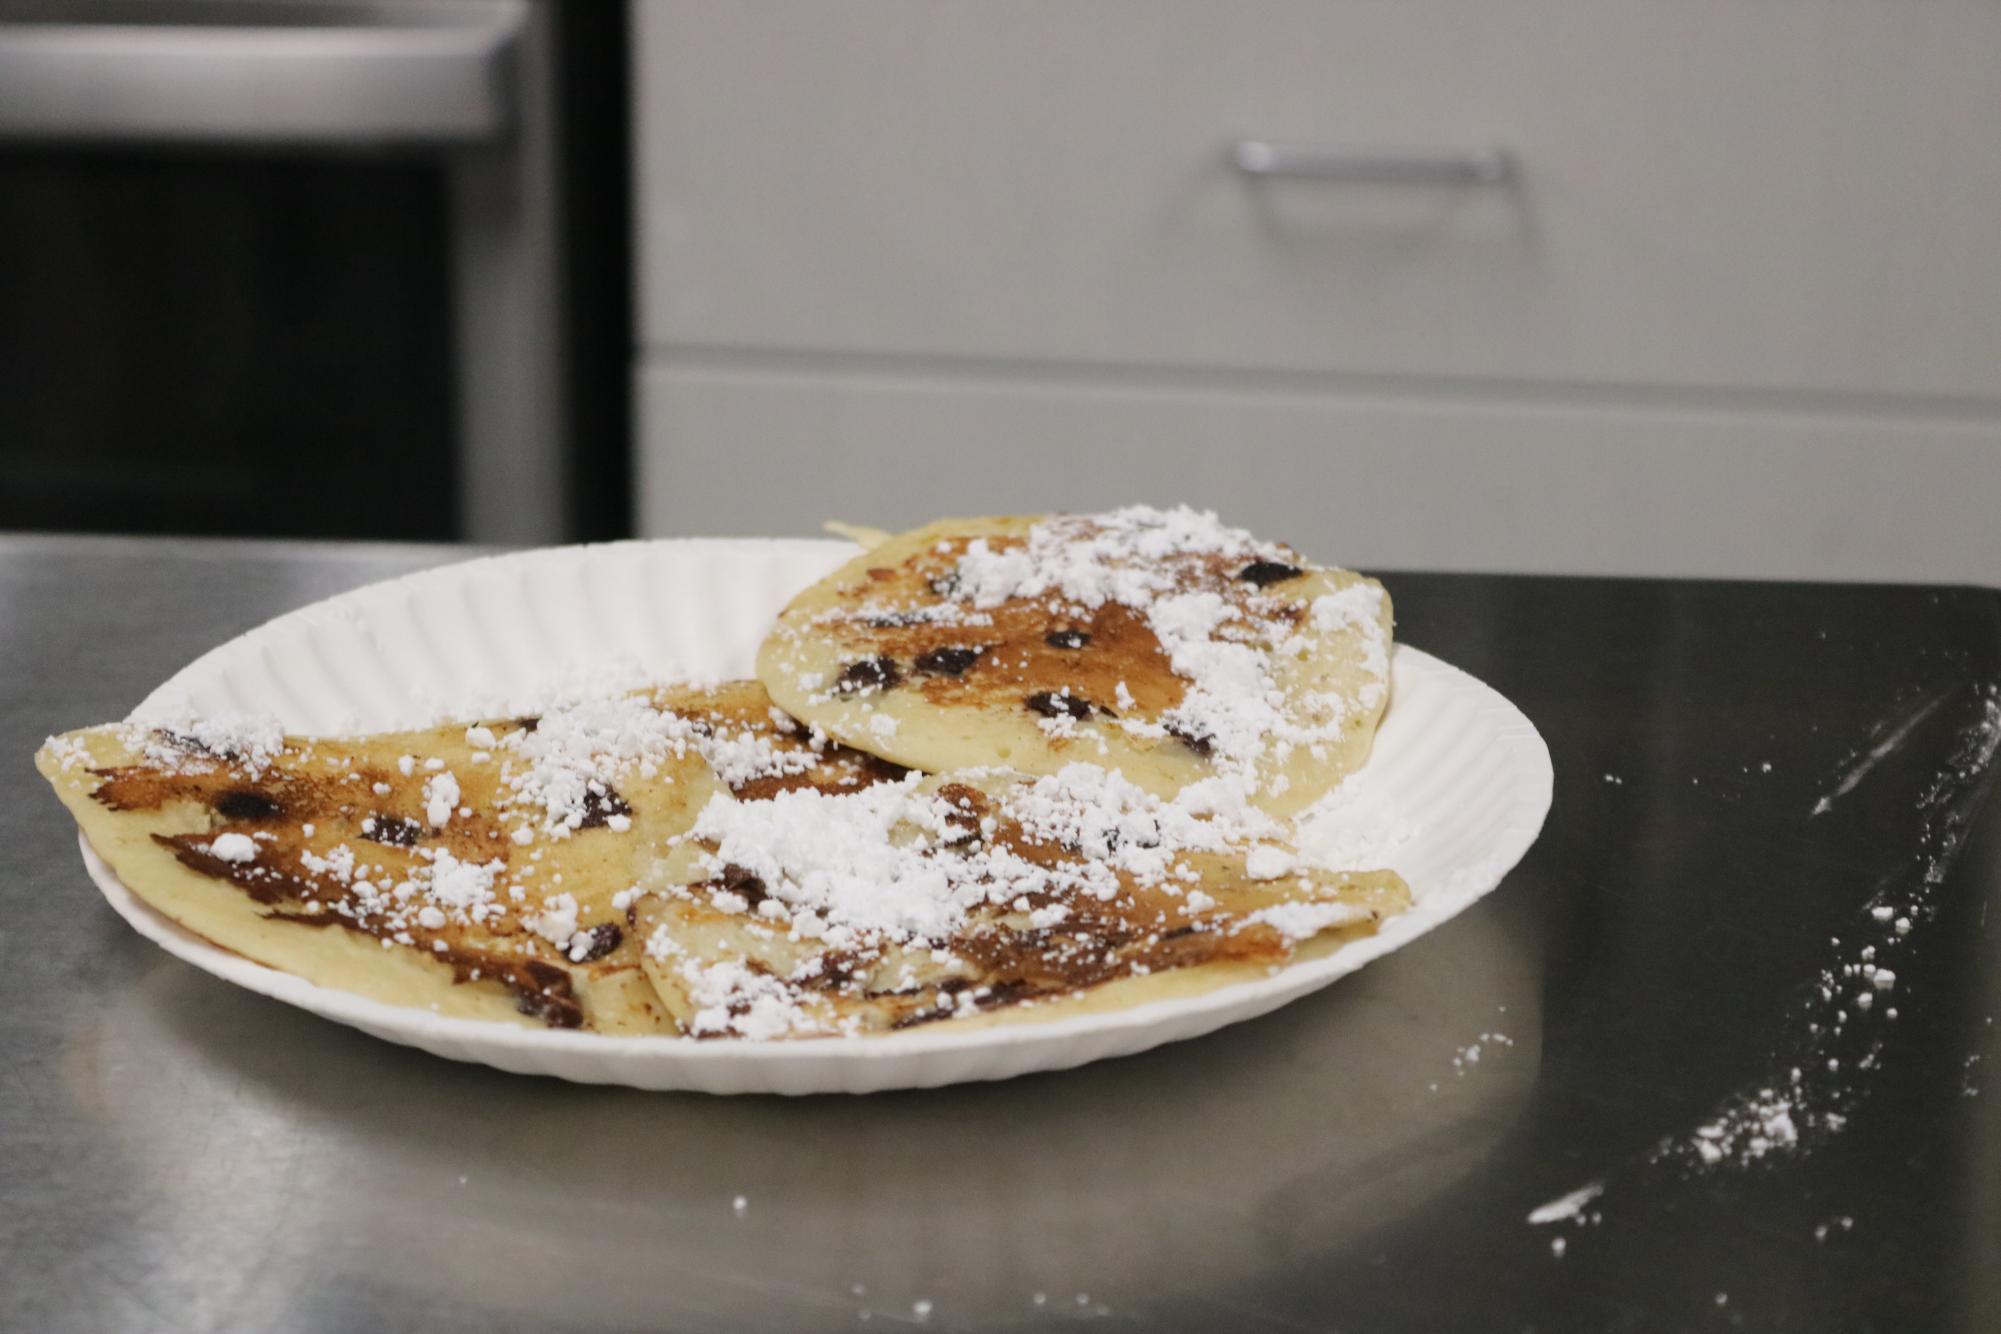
x=1324, y=162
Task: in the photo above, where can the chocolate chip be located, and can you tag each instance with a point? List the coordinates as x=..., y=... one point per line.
x=837, y=969
x=744, y=882
x=1067, y=638
x=964, y=808
x=875, y=769
x=1050, y=704
x=859, y=678
x=600, y=940
x=950, y=661
x=545, y=977
x=245, y=805
x=1201, y=743
x=601, y=805
x=930, y=1014
x=394, y=830
x=544, y=992
x=1263, y=572
x=1007, y=993
x=946, y=584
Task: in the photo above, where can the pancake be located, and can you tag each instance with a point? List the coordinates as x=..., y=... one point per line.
x=480, y=871
x=1159, y=643
x=972, y=897
x=993, y=770
x=757, y=750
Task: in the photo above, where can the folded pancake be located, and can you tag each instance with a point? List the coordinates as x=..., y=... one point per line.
x=978, y=896
x=480, y=871
x=1159, y=643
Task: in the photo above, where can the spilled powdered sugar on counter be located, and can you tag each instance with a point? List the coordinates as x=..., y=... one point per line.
x=1564, y=1208
x=1845, y=1018
x=1876, y=754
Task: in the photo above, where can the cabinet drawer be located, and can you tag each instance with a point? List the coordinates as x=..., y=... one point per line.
x=1377, y=481
x=1793, y=194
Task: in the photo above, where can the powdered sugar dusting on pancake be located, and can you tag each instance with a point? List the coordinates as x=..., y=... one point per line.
x=814, y=912
x=1159, y=642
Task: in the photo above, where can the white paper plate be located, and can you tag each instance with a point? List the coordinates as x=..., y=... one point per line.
x=1457, y=762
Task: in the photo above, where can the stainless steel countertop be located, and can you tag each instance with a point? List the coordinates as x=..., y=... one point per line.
x=179, y=1155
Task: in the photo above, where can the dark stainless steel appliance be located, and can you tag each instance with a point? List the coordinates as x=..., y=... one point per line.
x=275, y=267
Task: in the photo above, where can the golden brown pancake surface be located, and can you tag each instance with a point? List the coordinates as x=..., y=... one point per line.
x=967, y=894
x=1156, y=642
x=477, y=869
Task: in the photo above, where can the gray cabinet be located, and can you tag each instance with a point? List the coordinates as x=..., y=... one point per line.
x=1738, y=296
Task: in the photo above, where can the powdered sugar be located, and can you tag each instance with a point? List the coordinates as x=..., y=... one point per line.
x=1565, y=1208
x=733, y=998
x=1266, y=862
x=606, y=675
x=1352, y=826
x=557, y=922
x=743, y=756
x=833, y=860
x=864, y=861
x=69, y=751
x=233, y=848
x=1469, y=1055
x=441, y=798
x=1227, y=649
x=909, y=864
x=462, y=888
x=1748, y=1129
x=1839, y=1030
x=249, y=741
x=1117, y=556
x=566, y=767
x=1116, y=824
x=338, y=863
x=1301, y=921
x=1357, y=607
x=560, y=769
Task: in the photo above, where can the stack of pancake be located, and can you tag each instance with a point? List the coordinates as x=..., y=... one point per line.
x=991, y=770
